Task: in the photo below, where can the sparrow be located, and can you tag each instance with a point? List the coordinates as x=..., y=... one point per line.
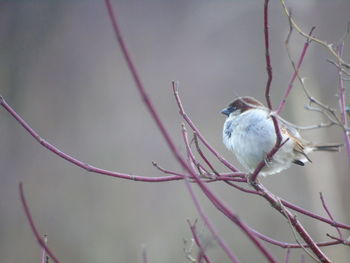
x=250, y=134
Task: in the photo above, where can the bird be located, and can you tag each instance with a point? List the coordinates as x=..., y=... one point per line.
x=249, y=132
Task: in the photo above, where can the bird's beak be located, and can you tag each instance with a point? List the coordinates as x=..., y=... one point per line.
x=226, y=112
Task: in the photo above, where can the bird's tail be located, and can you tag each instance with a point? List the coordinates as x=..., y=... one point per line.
x=328, y=147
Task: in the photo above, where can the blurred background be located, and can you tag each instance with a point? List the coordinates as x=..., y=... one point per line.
x=61, y=69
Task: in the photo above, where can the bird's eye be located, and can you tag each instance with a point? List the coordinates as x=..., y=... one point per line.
x=232, y=108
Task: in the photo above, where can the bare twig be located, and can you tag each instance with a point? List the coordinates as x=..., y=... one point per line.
x=295, y=74
x=286, y=259
x=200, y=210
x=329, y=213
x=342, y=103
x=340, y=240
x=44, y=257
x=267, y=55
x=40, y=240
x=202, y=154
x=329, y=47
x=175, y=85
x=202, y=250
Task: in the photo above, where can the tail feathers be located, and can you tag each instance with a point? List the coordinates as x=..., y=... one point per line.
x=328, y=148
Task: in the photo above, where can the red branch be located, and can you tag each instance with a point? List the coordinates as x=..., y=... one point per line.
x=295, y=74
x=196, y=130
x=278, y=145
x=77, y=162
x=329, y=213
x=41, y=241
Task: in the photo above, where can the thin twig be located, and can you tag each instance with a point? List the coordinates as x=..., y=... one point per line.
x=201, y=212
x=267, y=55
x=329, y=47
x=286, y=259
x=202, y=250
x=329, y=213
x=202, y=154
x=44, y=257
x=285, y=211
x=341, y=240
x=342, y=103
x=295, y=74
x=40, y=240
x=175, y=85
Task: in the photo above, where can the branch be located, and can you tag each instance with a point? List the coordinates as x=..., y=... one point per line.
x=277, y=146
x=295, y=74
x=184, y=115
x=278, y=205
x=329, y=47
x=342, y=103
x=329, y=213
x=201, y=253
x=77, y=162
x=286, y=260
x=41, y=241
x=44, y=257
x=267, y=55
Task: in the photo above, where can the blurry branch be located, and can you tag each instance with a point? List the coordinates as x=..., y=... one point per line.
x=144, y=254
x=342, y=103
x=188, y=251
x=44, y=256
x=40, y=240
x=345, y=242
x=325, y=110
x=296, y=70
x=286, y=259
x=329, y=214
x=202, y=256
x=329, y=47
